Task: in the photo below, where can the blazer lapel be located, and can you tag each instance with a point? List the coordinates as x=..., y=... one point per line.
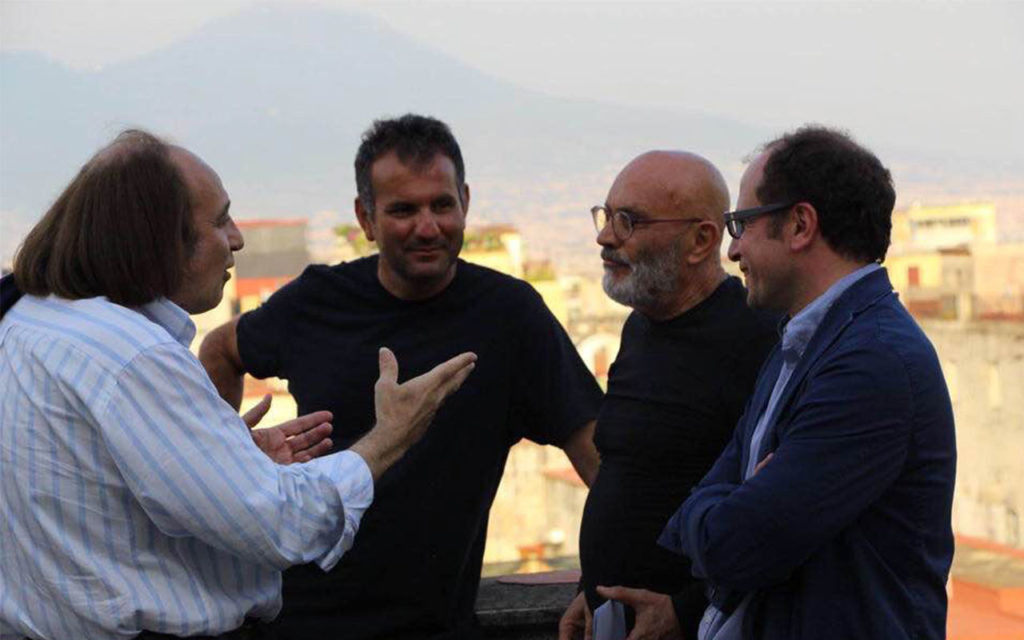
x=862, y=295
x=759, y=400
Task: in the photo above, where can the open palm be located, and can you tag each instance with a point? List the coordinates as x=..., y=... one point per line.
x=298, y=440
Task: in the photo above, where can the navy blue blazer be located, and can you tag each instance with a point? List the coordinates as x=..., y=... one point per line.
x=846, y=532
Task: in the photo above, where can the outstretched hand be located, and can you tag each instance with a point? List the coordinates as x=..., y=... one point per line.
x=298, y=440
x=405, y=410
x=577, y=621
x=655, y=616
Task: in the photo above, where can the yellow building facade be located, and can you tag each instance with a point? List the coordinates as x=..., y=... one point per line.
x=934, y=227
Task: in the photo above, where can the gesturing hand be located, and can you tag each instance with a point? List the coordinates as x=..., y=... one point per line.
x=577, y=621
x=405, y=410
x=298, y=440
x=655, y=616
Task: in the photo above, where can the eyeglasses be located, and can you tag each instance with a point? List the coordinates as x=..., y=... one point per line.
x=623, y=222
x=735, y=221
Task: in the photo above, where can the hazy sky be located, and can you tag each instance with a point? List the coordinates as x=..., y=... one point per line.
x=928, y=74
x=933, y=77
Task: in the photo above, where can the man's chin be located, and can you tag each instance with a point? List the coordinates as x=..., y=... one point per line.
x=618, y=289
x=428, y=271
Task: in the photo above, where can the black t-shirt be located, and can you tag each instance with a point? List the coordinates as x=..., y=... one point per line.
x=414, y=568
x=675, y=392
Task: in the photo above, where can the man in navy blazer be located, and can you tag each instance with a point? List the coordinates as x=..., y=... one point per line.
x=828, y=515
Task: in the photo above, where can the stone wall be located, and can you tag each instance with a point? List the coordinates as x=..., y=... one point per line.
x=984, y=366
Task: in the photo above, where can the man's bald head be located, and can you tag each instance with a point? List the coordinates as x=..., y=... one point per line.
x=683, y=182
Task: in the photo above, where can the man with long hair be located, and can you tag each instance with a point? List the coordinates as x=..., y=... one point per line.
x=133, y=500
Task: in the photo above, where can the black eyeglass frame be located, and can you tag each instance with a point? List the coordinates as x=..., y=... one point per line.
x=628, y=220
x=734, y=220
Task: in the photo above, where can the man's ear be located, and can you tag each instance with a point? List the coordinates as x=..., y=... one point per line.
x=465, y=199
x=706, y=239
x=365, y=219
x=804, y=222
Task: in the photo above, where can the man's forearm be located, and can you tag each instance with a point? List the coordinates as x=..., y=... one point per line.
x=378, y=452
x=582, y=452
x=219, y=356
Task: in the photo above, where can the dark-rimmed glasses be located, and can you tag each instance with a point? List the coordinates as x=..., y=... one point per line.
x=735, y=221
x=623, y=222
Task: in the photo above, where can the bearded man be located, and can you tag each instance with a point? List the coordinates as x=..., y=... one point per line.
x=689, y=356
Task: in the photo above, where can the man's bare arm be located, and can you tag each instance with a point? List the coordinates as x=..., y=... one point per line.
x=220, y=357
x=582, y=453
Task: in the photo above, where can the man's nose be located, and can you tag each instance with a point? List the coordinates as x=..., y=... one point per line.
x=426, y=225
x=734, y=250
x=606, y=236
x=235, y=239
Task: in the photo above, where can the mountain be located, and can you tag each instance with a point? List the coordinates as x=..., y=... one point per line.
x=275, y=99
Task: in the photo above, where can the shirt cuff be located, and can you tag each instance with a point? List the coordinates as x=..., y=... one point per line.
x=689, y=605
x=355, y=487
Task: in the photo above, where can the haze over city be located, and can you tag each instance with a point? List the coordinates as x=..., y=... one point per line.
x=548, y=98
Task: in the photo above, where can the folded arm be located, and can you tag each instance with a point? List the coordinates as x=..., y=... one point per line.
x=843, y=446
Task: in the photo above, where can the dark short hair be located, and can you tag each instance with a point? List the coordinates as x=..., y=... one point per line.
x=122, y=229
x=847, y=184
x=416, y=139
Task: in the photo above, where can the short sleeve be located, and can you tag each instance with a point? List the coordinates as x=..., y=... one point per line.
x=263, y=333
x=556, y=393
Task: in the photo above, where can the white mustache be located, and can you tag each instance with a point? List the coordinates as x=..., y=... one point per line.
x=611, y=256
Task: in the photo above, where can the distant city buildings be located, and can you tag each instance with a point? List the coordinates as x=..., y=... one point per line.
x=967, y=291
x=275, y=253
x=946, y=263
x=965, y=288
x=939, y=227
x=498, y=247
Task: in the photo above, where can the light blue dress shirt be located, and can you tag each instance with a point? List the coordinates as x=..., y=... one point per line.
x=131, y=496
x=796, y=335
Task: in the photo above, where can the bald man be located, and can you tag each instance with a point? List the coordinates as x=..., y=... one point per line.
x=689, y=356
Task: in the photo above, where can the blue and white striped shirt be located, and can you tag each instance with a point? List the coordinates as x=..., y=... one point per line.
x=131, y=496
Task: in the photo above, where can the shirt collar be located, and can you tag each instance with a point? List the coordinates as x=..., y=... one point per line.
x=172, y=318
x=800, y=329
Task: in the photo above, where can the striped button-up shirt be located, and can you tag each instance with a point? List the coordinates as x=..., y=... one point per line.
x=131, y=496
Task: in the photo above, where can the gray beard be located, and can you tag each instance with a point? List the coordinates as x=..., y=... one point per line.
x=652, y=276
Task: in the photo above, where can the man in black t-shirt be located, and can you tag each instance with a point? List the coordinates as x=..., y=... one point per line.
x=689, y=355
x=414, y=568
